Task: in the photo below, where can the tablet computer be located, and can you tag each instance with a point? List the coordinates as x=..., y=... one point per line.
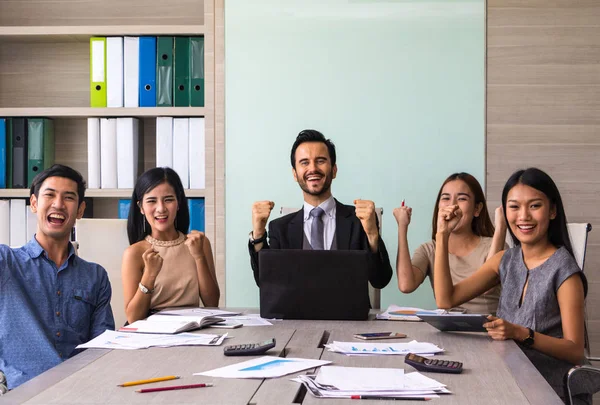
x=455, y=322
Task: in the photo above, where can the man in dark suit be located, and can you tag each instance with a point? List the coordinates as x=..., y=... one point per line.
x=323, y=222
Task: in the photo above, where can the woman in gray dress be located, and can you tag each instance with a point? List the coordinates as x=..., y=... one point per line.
x=541, y=305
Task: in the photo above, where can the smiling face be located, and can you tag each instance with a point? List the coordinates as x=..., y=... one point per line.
x=529, y=212
x=313, y=170
x=457, y=192
x=160, y=206
x=57, y=208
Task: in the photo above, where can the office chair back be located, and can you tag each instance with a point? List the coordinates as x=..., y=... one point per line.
x=374, y=293
x=103, y=241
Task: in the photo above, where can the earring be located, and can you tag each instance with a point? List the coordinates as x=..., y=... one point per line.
x=144, y=224
x=175, y=222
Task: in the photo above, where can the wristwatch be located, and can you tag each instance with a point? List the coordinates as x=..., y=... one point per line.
x=259, y=240
x=528, y=341
x=145, y=289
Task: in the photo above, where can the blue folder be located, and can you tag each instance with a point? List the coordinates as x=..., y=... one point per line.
x=124, y=208
x=196, y=206
x=2, y=152
x=147, y=71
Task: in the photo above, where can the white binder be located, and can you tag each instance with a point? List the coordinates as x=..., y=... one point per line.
x=18, y=221
x=131, y=71
x=108, y=152
x=164, y=142
x=181, y=146
x=127, y=152
x=93, y=138
x=114, y=72
x=5, y=222
x=197, y=153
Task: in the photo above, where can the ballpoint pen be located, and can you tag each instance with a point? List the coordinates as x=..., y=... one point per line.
x=173, y=388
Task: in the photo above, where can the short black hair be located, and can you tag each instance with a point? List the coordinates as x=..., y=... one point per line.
x=312, y=135
x=59, y=171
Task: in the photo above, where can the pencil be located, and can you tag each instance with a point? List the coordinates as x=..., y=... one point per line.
x=389, y=398
x=149, y=380
x=174, y=387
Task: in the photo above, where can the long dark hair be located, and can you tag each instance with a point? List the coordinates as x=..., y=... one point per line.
x=558, y=234
x=145, y=183
x=481, y=225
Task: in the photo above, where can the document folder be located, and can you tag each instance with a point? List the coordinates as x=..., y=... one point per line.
x=114, y=72
x=147, y=71
x=181, y=63
x=197, y=71
x=19, y=153
x=97, y=72
x=40, y=146
x=164, y=72
x=9, y=153
x=131, y=71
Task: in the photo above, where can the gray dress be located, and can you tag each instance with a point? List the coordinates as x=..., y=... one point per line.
x=539, y=310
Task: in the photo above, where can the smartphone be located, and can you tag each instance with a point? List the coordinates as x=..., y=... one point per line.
x=379, y=335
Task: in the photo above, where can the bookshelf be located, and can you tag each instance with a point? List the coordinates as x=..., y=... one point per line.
x=44, y=72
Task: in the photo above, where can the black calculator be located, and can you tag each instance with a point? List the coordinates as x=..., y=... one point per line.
x=249, y=349
x=434, y=365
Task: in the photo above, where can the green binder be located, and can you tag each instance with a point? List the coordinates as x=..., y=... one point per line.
x=181, y=66
x=164, y=72
x=197, y=71
x=9, y=153
x=40, y=148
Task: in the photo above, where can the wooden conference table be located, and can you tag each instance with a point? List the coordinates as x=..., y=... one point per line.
x=494, y=372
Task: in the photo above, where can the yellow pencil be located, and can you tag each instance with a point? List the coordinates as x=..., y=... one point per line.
x=149, y=380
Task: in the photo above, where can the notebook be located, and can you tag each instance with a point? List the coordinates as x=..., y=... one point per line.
x=456, y=322
x=314, y=284
x=169, y=324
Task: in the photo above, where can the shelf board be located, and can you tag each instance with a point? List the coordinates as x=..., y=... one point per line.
x=84, y=32
x=84, y=112
x=94, y=192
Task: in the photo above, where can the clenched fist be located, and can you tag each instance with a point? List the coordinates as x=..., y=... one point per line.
x=260, y=215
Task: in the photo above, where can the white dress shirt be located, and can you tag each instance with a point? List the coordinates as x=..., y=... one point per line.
x=328, y=221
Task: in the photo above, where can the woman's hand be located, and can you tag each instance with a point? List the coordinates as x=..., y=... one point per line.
x=152, y=262
x=448, y=218
x=499, y=329
x=402, y=215
x=499, y=221
x=195, y=244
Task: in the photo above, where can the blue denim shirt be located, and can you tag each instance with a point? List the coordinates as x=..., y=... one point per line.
x=46, y=311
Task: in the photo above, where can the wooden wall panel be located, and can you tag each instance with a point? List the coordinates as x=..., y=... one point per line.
x=543, y=109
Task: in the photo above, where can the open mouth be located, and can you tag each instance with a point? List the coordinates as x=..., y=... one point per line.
x=526, y=228
x=56, y=219
x=161, y=219
x=314, y=178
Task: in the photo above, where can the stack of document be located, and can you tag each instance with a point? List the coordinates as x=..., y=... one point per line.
x=170, y=324
x=354, y=348
x=396, y=313
x=132, y=341
x=370, y=383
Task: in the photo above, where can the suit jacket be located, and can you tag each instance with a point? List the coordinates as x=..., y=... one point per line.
x=287, y=232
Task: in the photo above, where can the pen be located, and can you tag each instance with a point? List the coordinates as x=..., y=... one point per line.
x=149, y=380
x=389, y=398
x=174, y=387
x=402, y=203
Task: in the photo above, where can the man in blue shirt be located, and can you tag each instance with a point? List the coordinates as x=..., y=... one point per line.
x=50, y=299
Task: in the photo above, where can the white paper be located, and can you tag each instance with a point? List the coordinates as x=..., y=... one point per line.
x=131, y=341
x=264, y=367
x=250, y=320
x=396, y=313
x=357, y=348
x=198, y=312
x=361, y=378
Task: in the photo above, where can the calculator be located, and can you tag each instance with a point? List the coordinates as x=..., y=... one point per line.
x=433, y=365
x=249, y=349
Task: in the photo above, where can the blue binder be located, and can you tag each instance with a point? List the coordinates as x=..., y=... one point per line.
x=196, y=206
x=124, y=208
x=147, y=71
x=2, y=152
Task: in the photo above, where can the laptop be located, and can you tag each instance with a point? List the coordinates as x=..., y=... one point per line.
x=455, y=322
x=314, y=284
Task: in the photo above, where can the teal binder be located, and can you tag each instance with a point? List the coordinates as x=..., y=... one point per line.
x=40, y=147
x=181, y=66
x=197, y=71
x=164, y=71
